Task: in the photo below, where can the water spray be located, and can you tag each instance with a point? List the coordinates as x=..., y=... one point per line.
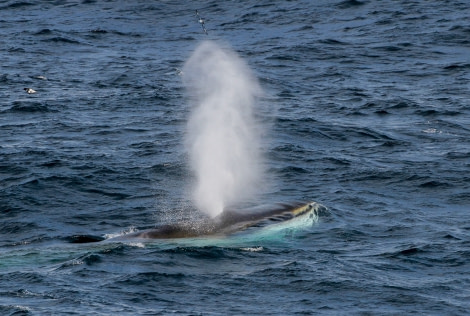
x=223, y=139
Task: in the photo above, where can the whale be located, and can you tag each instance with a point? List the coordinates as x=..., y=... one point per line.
x=227, y=223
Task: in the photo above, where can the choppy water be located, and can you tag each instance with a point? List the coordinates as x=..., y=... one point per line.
x=370, y=116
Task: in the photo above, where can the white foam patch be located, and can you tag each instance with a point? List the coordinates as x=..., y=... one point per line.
x=136, y=244
x=252, y=249
x=22, y=308
x=129, y=230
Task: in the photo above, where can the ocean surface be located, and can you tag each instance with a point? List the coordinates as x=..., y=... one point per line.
x=367, y=105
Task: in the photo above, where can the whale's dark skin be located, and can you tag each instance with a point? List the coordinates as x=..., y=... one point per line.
x=228, y=222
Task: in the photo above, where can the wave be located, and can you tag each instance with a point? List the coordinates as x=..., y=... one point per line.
x=61, y=39
x=348, y=4
x=17, y=5
x=29, y=107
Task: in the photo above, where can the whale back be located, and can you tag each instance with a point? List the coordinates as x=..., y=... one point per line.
x=229, y=221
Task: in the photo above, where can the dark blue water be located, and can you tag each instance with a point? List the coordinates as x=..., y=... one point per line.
x=370, y=116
